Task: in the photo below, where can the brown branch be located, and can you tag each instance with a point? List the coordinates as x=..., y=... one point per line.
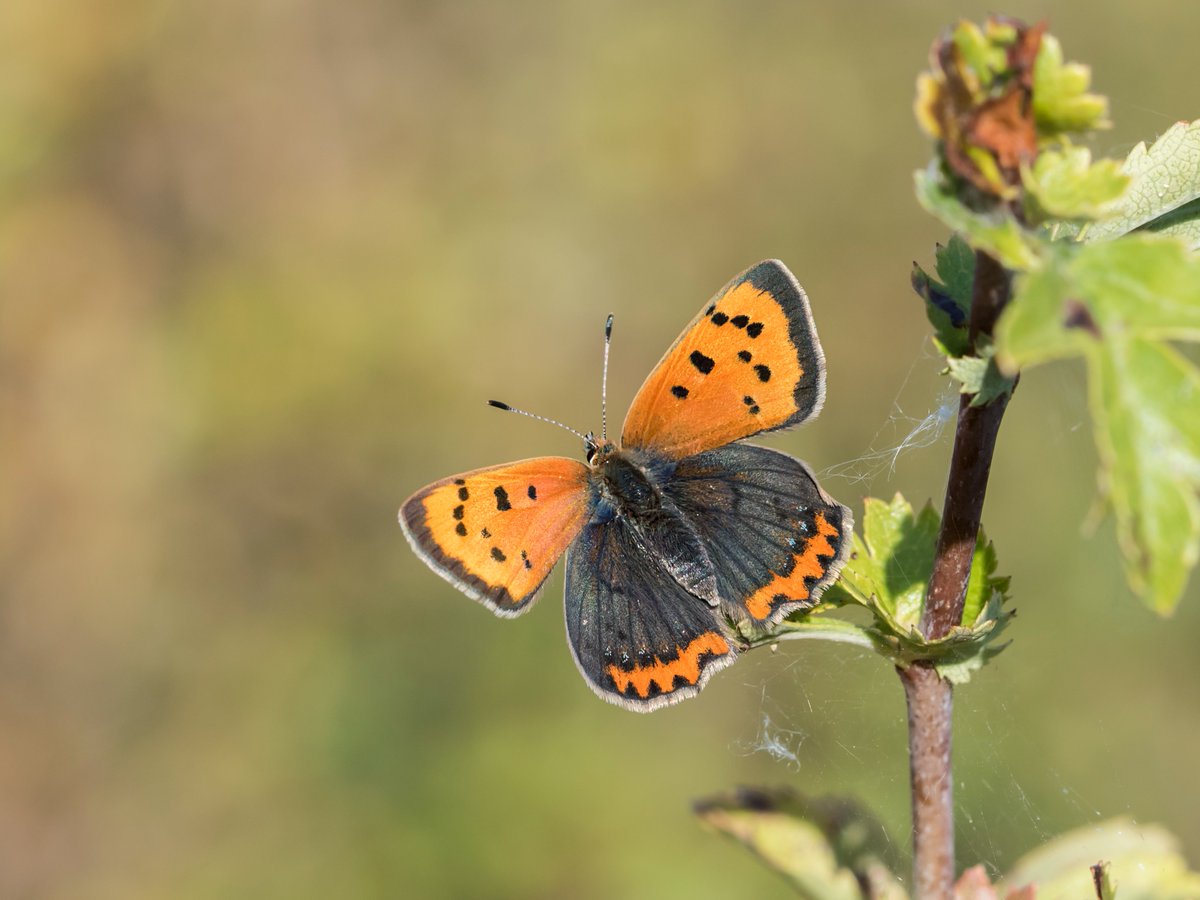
x=970, y=465
x=930, y=704
x=929, y=697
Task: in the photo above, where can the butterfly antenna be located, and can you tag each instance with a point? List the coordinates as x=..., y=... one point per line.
x=521, y=412
x=604, y=381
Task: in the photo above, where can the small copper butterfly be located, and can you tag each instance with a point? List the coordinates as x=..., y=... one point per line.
x=679, y=531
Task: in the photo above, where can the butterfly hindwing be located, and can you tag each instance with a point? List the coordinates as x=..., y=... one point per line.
x=776, y=540
x=750, y=362
x=639, y=638
x=496, y=533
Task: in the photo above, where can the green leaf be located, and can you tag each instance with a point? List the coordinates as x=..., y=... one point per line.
x=1045, y=319
x=983, y=57
x=828, y=848
x=980, y=376
x=1163, y=178
x=1145, y=400
x=1067, y=185
x=1115, y=303
x=808, y=626
x=984, y=586
x=1142, y=285
x=942, y=313
x=1061, y=103
x=956, y=269
x=894, y=558
x=948, y=301
x=1183, y=223
x=1143, y=863
x=888, y=574
x=995, y=231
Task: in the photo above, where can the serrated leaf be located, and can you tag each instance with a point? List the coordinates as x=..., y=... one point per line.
x=1061, y=103
x=1182, y=223
x=894, y=558
x=829, y=848
x=1142, y=285
x=1145, y=400
x=1143, y=860
x=1115, y=303
x=956, y=269
x=1163, y=178
x=996, y=231
x=1067, y=185
x=948, y=300
x=887, y=574
x=980, y=377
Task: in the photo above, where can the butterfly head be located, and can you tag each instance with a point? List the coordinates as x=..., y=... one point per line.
x=597, y=450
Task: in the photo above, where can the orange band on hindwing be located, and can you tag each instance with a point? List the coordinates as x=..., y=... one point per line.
x=662, y=673
x=808, y=566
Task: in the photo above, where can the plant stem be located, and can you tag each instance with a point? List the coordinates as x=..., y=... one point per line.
x=930, y=705
x=929, y=697
x=970, y=465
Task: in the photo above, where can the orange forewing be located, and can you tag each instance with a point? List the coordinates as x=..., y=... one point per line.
x=750, y=362
x=496, y=533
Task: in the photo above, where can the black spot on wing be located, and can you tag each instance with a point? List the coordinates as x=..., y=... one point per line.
x=719, y=318
x=462, y=494
x=461, y=529
x=498, y=554
x=704, y=364
x=532, y=492
x=458, y=512
x=763, y=372
x=680, y=391
x=739, y=321
x=754, y=329
x=502, y=503
x=485, y=533
x=744, y=355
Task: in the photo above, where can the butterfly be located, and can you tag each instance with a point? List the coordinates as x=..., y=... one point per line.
x=679, y=532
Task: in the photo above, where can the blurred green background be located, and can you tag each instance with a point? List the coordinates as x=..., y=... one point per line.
x=260, y=265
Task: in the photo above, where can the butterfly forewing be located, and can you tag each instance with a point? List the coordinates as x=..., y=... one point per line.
x=776, y=540
x=750, y=362
x=496, y=533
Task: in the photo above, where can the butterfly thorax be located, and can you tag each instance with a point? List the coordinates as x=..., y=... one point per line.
x=629, y=486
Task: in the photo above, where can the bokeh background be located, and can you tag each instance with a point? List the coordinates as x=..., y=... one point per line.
x=260, y=265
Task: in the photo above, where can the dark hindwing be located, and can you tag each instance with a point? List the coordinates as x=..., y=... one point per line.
x=775, y=538
x=639, y=638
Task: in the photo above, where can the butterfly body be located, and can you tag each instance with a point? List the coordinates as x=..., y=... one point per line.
x=629, y=486
x=679, y=531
